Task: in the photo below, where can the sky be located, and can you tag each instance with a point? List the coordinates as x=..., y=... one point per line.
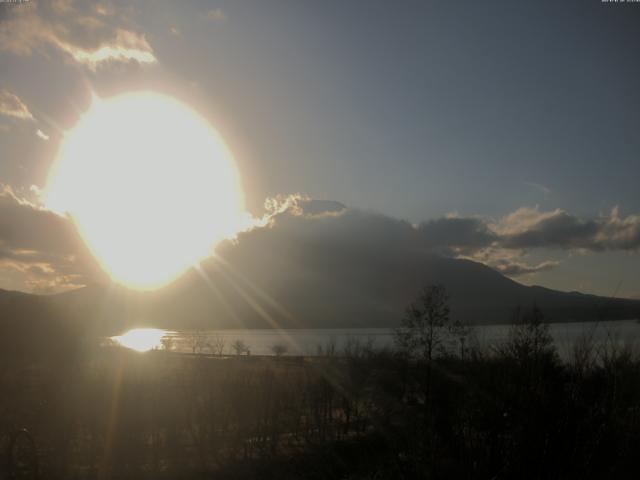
x=505, y=132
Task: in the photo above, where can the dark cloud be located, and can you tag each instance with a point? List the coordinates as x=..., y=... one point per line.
x=40, y=251
x=457, y=232
x=361, y=268
x=329, y=266
x=530, y=228
x=501, y=244
x=23, y=226
x=320, y=207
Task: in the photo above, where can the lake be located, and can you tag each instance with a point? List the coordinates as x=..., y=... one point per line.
x=313, y=341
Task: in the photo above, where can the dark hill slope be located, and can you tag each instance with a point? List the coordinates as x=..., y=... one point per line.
x=237, y=296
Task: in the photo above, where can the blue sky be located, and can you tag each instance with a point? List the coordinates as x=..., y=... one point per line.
x=412, y=109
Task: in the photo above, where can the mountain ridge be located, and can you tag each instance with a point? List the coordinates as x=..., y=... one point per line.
x=217, y=299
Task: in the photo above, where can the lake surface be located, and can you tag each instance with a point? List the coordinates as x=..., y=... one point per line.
x=315, y=341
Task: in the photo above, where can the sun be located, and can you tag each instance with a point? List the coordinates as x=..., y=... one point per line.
x=150, y=186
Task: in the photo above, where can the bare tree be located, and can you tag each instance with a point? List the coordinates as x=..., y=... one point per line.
x=459, y=334
x=329, y=349
x=198, y=342
x=239, y=347
x=529, y=337
x=583, y=354
x=426, y=324
x=218, y=344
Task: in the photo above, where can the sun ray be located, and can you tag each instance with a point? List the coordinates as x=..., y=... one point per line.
x=255, y=305
x=114, y=408
x=251, y=301
x=258, y=291
x=212, y=286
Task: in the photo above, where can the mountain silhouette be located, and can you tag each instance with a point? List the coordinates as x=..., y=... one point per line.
x=223, y=295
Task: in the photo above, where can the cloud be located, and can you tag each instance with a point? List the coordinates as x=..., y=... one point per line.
x=301, y=205
x=531, y=228
x=371, y=235
x=41, y=135
x=516, y=269
x=332, y=265
x=509, y=262
x=12, y=106
x=503, y=244
x=89, y=34
x=23, y=225
x=453, y=232
x=124, y=47
x=310, y=238
x=27, y=272
x=39, y=250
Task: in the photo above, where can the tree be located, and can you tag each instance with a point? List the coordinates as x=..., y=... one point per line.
x=424, y=327
x=459, y=333
x=529, y=337
x=239, y=347
x=198, y=341
x=218, y=344
x=279, y=349
x=167, y=343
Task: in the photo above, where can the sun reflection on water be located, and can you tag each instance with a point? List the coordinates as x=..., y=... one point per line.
x=141, y=339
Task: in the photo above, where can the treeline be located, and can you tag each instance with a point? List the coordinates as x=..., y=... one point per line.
x=436, y=406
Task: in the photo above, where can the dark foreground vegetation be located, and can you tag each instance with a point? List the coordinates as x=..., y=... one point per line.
x=436, y=407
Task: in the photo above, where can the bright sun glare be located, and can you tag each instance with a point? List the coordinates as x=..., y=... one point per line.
x=150, y=185
x=141, y=339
